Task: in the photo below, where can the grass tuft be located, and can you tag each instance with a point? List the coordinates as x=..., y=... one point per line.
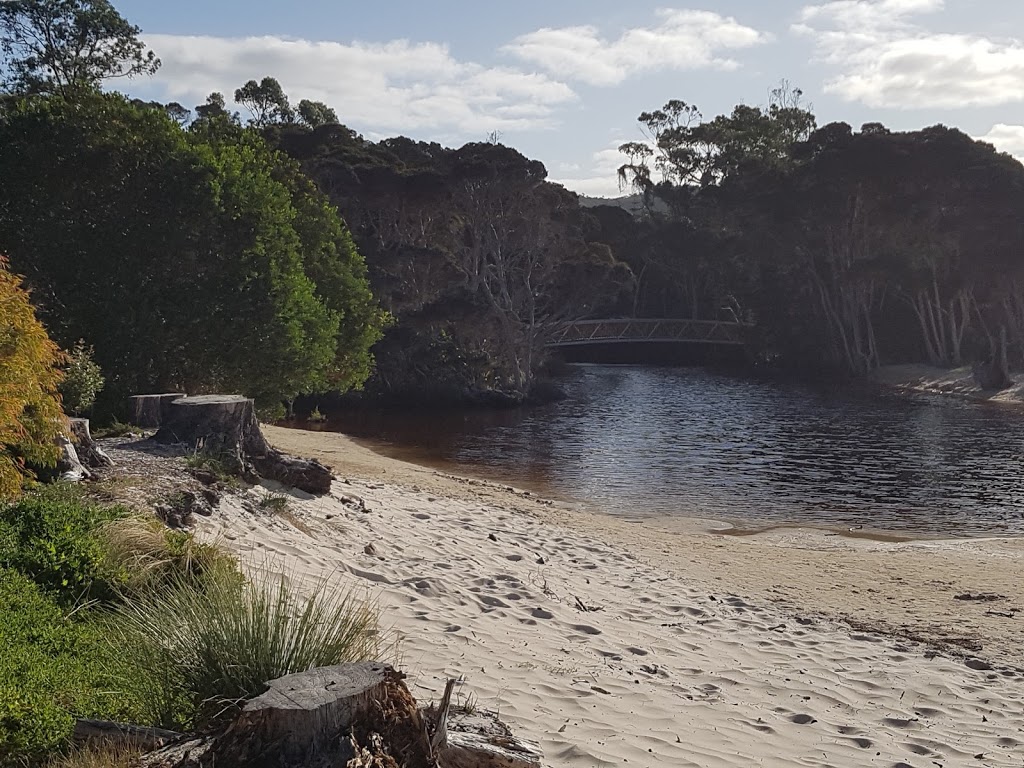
x=218, y=642
x=98, y=756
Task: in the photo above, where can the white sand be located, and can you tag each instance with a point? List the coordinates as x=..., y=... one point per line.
x=947, y=381
x=704, y=650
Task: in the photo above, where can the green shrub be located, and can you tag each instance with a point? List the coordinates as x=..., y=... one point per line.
x=83, y=380
x=52, y=668
x=218, y=642
x=30, y=412
x=50, y=537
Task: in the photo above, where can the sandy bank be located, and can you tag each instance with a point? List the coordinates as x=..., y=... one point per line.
x=615, y=643
x=959, y=382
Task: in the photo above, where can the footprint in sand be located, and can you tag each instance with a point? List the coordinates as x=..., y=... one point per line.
x=540, y=613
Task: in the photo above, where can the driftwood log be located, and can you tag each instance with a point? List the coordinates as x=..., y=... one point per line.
x=148, y=411
x=112, y=734
x=226, y=426
x=352, y=714
x=477, y=739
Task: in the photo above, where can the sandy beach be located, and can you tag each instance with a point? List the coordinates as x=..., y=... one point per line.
x=958, y=382
x=616, y=642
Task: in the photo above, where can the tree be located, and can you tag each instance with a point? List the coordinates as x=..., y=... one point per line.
x=315, y=113
x=82, y=381
x=59, y=46
x=521, y=253
x=178, y=254
x=688, y=150
x=266, y=102
x=178, y=113
x=30, y=413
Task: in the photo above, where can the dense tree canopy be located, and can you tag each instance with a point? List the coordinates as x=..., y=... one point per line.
x=188, y=261
x=846, y=249
x=477, y=256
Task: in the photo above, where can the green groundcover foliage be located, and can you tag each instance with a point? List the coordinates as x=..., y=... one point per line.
x=56, y=662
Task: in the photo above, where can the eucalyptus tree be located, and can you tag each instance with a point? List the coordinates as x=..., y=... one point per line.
x=60, y=46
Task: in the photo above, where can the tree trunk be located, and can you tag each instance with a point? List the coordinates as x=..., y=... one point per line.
x=149, y=411
x=225, y=426
x=994, y=374
x=88, y=450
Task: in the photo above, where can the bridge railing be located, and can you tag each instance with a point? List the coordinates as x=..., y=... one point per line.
x=647, y=330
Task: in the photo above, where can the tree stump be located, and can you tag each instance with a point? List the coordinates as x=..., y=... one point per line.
x=324, y=717
x=149, y=411
x=70, y=467
x=226, y=426
x=88, y=450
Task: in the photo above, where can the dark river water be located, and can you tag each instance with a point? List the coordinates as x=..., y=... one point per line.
x=641, y=441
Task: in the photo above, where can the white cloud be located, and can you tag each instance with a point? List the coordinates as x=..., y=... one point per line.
x=388, y=87
x=681, y=40
x=886, y=59
x=1007, y=138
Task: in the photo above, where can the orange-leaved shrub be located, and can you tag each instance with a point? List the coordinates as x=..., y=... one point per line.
x=30, y=410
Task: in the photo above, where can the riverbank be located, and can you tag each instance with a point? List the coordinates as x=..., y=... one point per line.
x=958, y=382
x=610, y=641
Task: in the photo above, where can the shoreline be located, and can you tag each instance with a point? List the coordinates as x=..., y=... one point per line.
x=948, y=382
x=799, y=567
x=617, y=643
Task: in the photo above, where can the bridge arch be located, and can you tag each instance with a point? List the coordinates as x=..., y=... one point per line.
x=649, y=330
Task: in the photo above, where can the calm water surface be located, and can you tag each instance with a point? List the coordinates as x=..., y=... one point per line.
x=638, y=442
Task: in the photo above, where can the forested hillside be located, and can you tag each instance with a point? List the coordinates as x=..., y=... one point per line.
x=276, y=252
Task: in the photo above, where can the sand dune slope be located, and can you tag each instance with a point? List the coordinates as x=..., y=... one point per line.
x=606, y=660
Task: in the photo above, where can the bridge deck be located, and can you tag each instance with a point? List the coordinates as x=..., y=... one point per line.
x=644, y=330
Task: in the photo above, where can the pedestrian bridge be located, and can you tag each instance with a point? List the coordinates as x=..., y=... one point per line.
x=648, y=330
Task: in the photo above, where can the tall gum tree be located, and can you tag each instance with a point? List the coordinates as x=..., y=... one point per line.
x=62, y=46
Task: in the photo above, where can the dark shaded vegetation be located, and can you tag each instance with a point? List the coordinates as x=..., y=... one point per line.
x=846, y=249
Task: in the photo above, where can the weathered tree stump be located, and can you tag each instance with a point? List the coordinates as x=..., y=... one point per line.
x=68, y=464
x=89, y=451
x=226, y=426
x=149, y=411
x=326, y=716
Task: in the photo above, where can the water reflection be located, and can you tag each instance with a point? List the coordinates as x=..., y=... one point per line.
x=652, y=441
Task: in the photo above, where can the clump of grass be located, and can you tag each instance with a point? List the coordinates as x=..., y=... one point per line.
x=144, y=553
x=223, y=469
x=115, y=428
x=273, y=502
x=216, y=643
x=99, y=756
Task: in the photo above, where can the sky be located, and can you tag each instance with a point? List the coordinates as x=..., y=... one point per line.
x=564, y=81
